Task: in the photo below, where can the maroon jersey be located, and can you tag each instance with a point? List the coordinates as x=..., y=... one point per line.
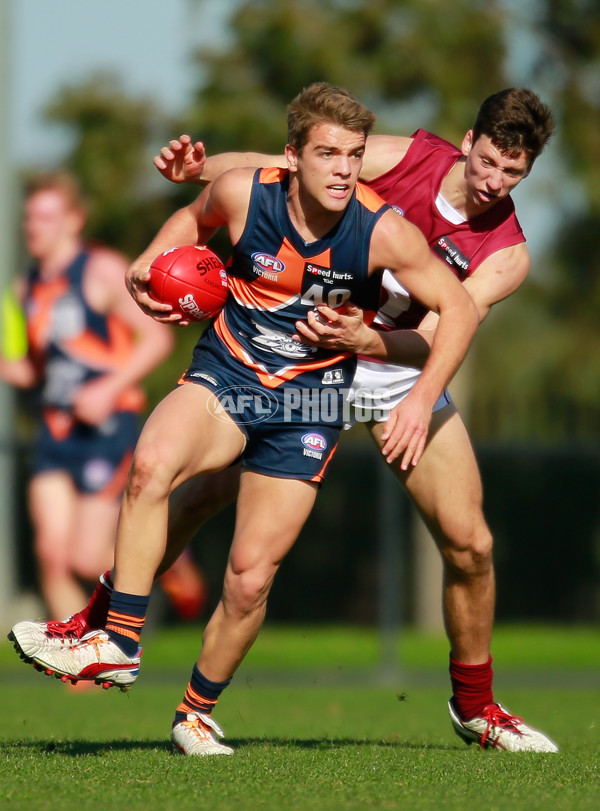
x=413, y=186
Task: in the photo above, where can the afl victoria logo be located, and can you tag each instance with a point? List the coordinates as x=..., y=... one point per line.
x=314, y=442
x=268, y=263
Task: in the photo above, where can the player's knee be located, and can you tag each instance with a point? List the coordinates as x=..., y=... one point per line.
x=85, y=572
x=246, y=591
x=470, y=555
x=150, y=474
x=89, y=565
x=51, y=555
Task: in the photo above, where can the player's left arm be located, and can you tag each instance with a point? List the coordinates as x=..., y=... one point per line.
x=185, y=161
x=153, y=342
x=497, y=277
x=346, y=330
x=400, y=246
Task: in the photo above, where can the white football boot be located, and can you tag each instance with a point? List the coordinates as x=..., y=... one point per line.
x=497, y=728
x=31, y=637
x=198, y=734
x=95, y=657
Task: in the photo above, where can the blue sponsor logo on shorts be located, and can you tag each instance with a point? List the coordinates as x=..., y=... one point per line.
x=314, y=442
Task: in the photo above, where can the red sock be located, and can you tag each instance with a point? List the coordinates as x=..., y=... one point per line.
x=471, y=687
x=96, y=611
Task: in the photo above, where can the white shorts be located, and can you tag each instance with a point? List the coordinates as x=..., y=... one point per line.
x=377, y=388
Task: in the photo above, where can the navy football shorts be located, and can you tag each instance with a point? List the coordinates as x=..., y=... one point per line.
x=97, y=458
x=284, y=439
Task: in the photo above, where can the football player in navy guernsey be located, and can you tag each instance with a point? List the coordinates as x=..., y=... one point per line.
x=460, y=199
x=302, y=237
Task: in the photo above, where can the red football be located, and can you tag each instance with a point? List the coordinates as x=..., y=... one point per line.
x=192, y=279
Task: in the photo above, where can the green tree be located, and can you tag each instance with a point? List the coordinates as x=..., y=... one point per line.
x=570, y=55
x=445, y=58
x=572, y=52
x=111, y=133
x=545, y=344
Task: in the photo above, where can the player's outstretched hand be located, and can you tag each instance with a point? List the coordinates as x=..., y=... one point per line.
x=405, y=432
x=136, y=281
x=182, y=161
x=343, y=330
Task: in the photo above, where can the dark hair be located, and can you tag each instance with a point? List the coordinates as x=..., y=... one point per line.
x=319, y=103
x=516, y=121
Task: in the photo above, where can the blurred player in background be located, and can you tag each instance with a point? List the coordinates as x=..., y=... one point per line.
x=88, y=347
x=313, y=223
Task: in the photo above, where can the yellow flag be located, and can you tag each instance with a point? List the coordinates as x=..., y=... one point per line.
x=13, y=332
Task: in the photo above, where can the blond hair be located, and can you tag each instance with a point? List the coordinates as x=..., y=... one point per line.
x=323, y=103
x=61, y=182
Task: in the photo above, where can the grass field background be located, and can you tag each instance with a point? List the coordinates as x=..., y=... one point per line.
x=316, y=722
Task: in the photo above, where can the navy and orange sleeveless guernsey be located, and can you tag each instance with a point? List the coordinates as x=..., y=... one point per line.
x=72, y=344
x=413, y=185
x=275, y=279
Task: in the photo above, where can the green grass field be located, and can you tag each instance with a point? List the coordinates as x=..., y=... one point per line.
x=316, y=724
